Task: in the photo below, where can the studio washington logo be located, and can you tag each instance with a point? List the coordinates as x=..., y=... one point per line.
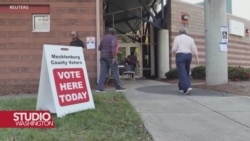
x=26, y=119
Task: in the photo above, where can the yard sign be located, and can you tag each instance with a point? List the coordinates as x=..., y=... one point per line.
x=64, y=85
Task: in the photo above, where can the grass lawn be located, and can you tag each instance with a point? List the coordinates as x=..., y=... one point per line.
x=113, y=119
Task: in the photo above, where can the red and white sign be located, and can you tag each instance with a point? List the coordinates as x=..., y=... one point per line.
x=24, y=9
x=64, y=85
x=26, y=119
x=70, y=86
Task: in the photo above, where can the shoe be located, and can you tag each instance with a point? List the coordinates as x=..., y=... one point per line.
x=121, y=89
x=188, y=91
x=181, y=91
x=99, y=91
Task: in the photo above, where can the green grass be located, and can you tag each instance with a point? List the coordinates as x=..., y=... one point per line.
x=113, y=119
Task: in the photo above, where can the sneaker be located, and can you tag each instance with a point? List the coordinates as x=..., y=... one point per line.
x=181, y=91
x=121, y=89
x=99, y=91
x=188, y=91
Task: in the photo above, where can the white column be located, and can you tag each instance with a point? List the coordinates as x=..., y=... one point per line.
x=98, y=38
x=152, y=50
x=163, y=52
x=216, y=60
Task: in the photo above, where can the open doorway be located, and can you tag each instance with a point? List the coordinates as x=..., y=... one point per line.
x=137, y=23
x=124, y=51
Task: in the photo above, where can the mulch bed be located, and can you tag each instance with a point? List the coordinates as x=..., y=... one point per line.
x=232, y=87
x=22, y=89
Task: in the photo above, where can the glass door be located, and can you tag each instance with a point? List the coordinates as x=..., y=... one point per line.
x=124, y=50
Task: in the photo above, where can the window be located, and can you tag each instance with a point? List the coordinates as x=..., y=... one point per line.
x=41, y=22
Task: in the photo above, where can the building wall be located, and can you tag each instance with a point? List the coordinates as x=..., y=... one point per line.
x=195, y=27
x=238, y=47
x=21, y=49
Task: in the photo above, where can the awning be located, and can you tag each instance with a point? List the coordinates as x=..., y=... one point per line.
x=127, y=15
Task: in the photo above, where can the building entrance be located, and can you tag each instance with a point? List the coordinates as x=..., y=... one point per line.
x=125, y=49
x=136, y=23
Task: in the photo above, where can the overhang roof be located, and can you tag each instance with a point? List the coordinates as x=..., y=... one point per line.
x=127, y=15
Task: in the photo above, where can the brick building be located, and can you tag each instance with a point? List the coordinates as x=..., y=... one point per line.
x=21, y=39
x=238, y=44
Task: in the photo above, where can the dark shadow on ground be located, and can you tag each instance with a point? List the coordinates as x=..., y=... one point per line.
x=173, y=90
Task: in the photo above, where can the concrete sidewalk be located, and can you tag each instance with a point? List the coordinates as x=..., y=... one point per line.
x=202, y=116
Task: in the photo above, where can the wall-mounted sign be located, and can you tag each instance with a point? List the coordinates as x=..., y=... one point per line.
x=90, y=41
x=224, y=34
x=23, y=9
x=223, y=46
x=41, y=22
x=236, y=28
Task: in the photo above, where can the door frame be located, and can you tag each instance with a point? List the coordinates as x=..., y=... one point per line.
x=139, y=55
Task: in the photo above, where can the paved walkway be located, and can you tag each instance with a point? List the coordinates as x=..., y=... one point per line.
x=202, y=116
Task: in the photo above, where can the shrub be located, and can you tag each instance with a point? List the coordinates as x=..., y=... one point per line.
x=199, y=72
x=172, y=74
x=238, y=74
x=229, y=69
x=247, y=70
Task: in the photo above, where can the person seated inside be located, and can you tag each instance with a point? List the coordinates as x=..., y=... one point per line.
x=132, y=60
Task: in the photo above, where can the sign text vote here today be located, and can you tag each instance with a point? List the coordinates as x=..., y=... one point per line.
x=70, y=86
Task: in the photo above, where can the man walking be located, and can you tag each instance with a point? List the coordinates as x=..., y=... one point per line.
x=183, y=47
x=108, y=48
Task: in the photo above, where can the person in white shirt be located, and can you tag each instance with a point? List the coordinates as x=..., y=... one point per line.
x=183, y=47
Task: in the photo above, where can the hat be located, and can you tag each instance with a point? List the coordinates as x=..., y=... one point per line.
x=111, y=30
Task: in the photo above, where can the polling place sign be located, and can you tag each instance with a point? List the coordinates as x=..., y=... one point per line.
x=64, y=85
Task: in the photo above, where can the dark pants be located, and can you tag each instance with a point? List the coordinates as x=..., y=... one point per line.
x=106, y=64
x=132, y=68
x=183, y=61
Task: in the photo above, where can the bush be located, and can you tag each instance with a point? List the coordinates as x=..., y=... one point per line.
x=229, y=69
x=172, y=74
x=199, y=72
x=247, y=70
x=238, y=74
